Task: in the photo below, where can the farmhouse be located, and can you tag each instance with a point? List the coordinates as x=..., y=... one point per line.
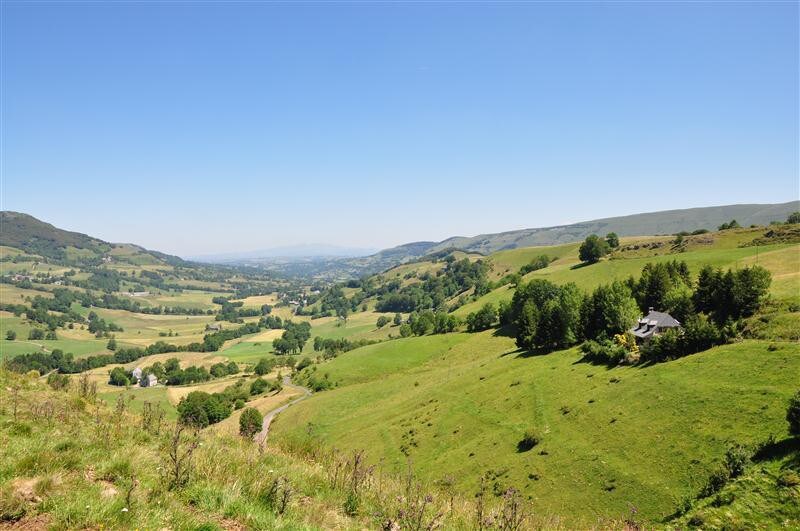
x=653, y=324
x=149, y=381
x=137, y=373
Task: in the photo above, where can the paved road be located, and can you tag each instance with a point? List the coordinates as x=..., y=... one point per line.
x=261, y=437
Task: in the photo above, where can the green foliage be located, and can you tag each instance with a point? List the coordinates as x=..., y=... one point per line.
x=264, y=366
x=732, y=224
x=457, y=277
x=11, y=335
x=119, y=376
x=731, y=295
x=200, y=409
x=609, y=310
x=250, y=422
x=657, y=283
x=382, y=321
x=258, y=386
x=592, y=249
x=612, y=240
x=483, y=319
x=794, y=217
x=546, y=315
x=540, y=262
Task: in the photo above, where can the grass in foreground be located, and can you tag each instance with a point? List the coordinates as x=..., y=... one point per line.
x=609, y=439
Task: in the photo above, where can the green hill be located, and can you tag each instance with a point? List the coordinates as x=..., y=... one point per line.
x=25, y=232
x=646, y=437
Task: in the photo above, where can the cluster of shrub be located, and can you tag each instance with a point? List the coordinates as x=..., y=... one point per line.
x=233, y=312
x=331, y=347
x=456, y=277
x=171, y=373
x=540, y=262
x=44, y=362
x=200, y=409
x=293, y=339
x=429, y=322
x=311, y=377
x=100, y=327
x=546, y=316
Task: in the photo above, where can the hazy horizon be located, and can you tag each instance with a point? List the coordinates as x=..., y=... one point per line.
x=228, y=128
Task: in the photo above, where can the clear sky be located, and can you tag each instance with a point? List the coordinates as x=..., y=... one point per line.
x=203, y=127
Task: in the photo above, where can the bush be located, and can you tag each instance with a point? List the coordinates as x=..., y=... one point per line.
x=604, y=351
x=382, y=321
x=264, y=366
x=793, y=414
x=58, y=381
x=11, y=335
x=736, y=459
x=258, y=386
x=250, y=422
x=528, y=441
x=483, y=319
x=119, y=376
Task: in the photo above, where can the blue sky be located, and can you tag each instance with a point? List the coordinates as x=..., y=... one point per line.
x=206, y=127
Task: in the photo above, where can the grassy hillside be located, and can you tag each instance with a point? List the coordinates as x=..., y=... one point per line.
x=666, y=222
x=26, y=233
x=647, y=437
x=721, y=249
x=69, y=462
x=610, y=438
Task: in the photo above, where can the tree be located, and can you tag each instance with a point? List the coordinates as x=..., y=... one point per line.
x=405, y=330
x=793, y=414
x=592, y=249
x=732, y=224
x=11, y=335
x=483, y=319
x=112, y=344
x=609, y=310
x=612, y=240
x=382, y=321
x=36, y=333
x=250, y=422
x=191, y=411
x=258, y=386
x=264, y=366
x=794, y=217
x=119, y=376
x=398, y=319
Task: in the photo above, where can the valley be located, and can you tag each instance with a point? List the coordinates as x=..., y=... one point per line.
x=438, y=366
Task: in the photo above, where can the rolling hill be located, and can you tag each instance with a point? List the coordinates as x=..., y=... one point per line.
x=36, y=237
x=651, y=223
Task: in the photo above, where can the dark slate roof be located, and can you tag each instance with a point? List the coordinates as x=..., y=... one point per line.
x=647, y=325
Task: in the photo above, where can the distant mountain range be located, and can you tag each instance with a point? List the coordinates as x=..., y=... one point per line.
x=25, y=232
x=664, y=222
x=317, y=250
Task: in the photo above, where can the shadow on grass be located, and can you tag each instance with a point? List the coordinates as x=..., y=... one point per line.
x=523, y=353
x=504, y=331
x=778, y=450
x=582, y=265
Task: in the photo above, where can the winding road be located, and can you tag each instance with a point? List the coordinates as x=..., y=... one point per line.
x=261, y=437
